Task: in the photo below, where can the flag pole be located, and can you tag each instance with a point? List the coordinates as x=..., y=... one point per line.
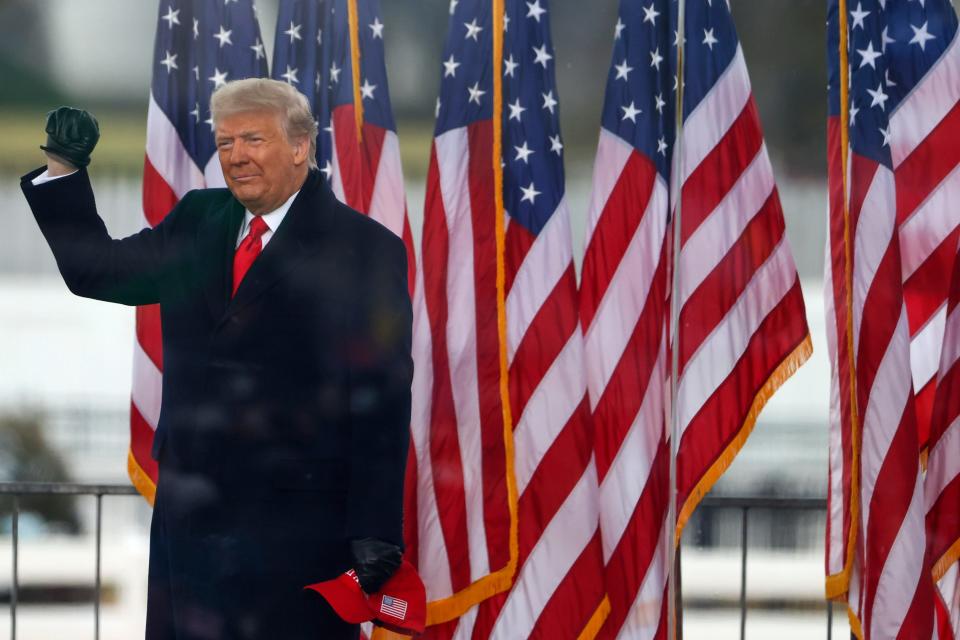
x=674, y=597
x=353, y=21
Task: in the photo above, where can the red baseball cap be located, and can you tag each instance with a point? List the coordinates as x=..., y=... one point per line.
x=400, y=606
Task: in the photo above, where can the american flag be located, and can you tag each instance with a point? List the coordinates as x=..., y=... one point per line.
x=922, y=54
x=393, y=607
x=742, y=325
x=317, y=42
x=507, y=489
x=199, y=46
x=876, y=555
x=943, y=472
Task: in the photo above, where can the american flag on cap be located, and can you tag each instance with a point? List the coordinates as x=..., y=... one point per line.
x=393, y=607
x=199, y=46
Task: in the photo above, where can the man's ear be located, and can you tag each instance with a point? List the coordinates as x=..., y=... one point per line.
x=301, y=147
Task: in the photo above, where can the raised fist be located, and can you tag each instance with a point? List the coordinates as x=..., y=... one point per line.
x=71, y=134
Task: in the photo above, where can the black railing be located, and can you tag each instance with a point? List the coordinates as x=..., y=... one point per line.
x=98, y=491
x=745, y=505
x=18, y=489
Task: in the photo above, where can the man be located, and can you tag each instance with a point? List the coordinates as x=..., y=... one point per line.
x=286, y=391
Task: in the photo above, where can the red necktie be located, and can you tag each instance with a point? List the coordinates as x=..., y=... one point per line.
x=247, y=252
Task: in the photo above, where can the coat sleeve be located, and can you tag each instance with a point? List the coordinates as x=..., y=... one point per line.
x=380, y=375
x=94, y=265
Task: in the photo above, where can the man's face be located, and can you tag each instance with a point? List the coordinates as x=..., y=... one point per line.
x=261, y=166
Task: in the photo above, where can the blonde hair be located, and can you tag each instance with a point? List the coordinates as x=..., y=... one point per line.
x=263, y=94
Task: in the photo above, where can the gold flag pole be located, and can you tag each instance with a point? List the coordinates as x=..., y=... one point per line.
x=674, y=592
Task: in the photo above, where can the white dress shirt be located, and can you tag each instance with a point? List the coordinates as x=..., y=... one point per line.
x=273, y=220
x=46, y=177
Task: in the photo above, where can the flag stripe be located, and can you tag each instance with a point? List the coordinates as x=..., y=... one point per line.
x=727, y=277
x=926, y=105
x=896, y=590
x=607, y=335
x=167, y=155
x=722, y=229
x=922, y=292
x=444, y=441
x=639, y=556
x=886, y=395
x=716, y=427
x=158, y=197
x=147, y=383
x=872, y=233
x=708, y=123
x=486, y=321
x=434, y=567
x=574, y=598
x=555, y=322
x=644, y=622
x=573, y=526
x=552, y=406
x=141, y=440
x=928, y=165
x=538, y=273
x=611, y=236
x=149, y=339
x=637, y=373
x=717, y=357
x=733, y=175
x=547, y=491
x=925, y=345
x=336, y=171
x=387, y=200
x=629, y=471
x=930, y=224
x=943, y=468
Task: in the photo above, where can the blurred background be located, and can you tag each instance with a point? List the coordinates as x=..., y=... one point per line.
x=66, y=362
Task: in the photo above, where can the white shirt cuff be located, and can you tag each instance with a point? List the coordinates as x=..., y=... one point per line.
x=46, y=177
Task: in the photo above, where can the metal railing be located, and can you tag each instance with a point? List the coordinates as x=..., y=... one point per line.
x=18, y=489
x=745, y=505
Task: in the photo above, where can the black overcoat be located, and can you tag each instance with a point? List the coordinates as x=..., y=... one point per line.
x=283, y=429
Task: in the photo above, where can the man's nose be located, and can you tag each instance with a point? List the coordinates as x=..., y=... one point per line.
x=238, y=153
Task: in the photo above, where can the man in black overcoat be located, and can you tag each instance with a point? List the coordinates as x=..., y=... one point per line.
x=283, y=431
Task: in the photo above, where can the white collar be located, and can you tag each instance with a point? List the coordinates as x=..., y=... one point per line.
x=273, y=219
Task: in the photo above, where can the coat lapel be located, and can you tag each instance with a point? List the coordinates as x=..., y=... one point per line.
x=216, y=245
x=293, y=240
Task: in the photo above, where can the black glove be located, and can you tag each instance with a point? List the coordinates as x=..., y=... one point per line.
x=71, y=134
x=374, y=561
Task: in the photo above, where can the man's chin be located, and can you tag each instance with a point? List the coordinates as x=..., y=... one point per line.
x=247, y=194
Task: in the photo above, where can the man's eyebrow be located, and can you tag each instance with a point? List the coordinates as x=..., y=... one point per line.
x=242, y=134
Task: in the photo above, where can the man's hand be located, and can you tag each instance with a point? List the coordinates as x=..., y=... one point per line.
x=71, y=136
x=374, y=561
